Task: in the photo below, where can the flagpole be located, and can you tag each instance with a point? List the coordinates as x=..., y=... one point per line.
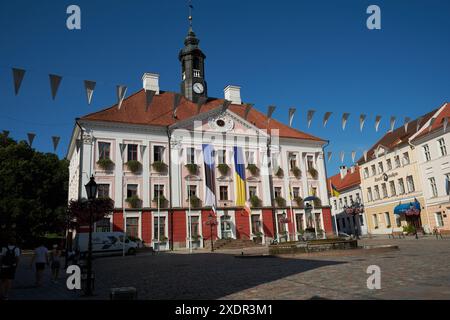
x=335, y=220
x=189, y=222
x=158, y=223
x=292, y=212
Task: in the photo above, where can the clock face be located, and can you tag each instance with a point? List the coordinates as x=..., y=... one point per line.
x=198, y=88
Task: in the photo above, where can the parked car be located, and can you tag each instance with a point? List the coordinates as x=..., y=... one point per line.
x=105, y=243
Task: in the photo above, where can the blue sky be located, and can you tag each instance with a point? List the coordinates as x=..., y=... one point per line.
x=304, y=54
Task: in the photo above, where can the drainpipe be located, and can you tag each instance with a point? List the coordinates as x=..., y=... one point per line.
x=170, y=190
x=80, y=173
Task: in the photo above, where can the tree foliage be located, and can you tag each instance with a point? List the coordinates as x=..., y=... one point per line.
x=33, y=190
x=80, y=210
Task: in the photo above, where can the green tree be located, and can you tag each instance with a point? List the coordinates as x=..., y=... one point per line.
x=33, y=191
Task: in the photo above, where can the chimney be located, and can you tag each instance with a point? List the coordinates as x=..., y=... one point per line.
x=352, y=169
x=233, y=94
x=343, y=171
x=150, y=81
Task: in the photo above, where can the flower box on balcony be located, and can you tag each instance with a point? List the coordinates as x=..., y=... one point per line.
x=281, y=202
x=105, y=163
x=296, y=172
x=223, y=169
x=159, y=166
x=317, y=202
x=313, y=173
x=279, y=173
x=162, y=201
x=133, y=201
x=253, y=169
x=195, y=202
x=255, y=201
x=134, y=166
x=299, y=201
x=192, y=168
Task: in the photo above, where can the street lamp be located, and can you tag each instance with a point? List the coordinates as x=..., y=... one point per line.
x=211, y=222
x=91, y=191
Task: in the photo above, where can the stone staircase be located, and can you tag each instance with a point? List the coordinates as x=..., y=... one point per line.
x=231, y=244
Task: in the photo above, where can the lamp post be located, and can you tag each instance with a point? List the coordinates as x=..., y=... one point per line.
x=211, y=222
x=91, y=191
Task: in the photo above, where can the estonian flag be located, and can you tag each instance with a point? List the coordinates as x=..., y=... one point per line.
x=334, y=191
x=208, y=156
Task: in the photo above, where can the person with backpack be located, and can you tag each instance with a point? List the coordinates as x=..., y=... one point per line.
x=9, y=260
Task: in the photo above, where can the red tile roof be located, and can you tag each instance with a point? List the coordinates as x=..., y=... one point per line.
x=160, y=113
x=350, y=180
x=397, y=138
x=438, y=122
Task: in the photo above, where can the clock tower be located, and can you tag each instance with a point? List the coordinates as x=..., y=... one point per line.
x=193, y=84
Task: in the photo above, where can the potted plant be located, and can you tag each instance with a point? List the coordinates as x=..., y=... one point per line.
x=159, y=166
x=162, y=201
x=281, y=202
x=195, y=201
x=313, y=172
x=133, y=201
x=134, y=166
x=223, y=169
x=105, y=163
x=296, y=172
x=255, y=201
x=299, y=201
x=279, y=173
x=192, y=168
x=254, y=170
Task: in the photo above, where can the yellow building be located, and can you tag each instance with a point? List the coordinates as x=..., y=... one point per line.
x=391, y=184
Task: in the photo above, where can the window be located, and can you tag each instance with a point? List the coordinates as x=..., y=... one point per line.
x=447, y=183
x=223, y=193
x=310, y=162
x=351, y=199
x=222, y=157
x=132, y=152
x=405, y=158
x=252, y=191
x=384, y=190
x=192, y=191
x=335, y=204
x=292, y=160
x=159, y=226
x=426, y=152
x=380, y=167
x=374, y=170
x=158, y=191
x=103, y=225
x=158, y=152
x=442, y=147
x=281, y=223
x=389, y=164
x=256, y=224
x=375, y=220
x=410, y=183
x=358, y=198
x=295, y=192
x=377, y=193
x=345, y=201
x=132, y=190
x=190, y=152
x=369, y=194
x=132, y=227
x=103, y=190
x=299, y=221
x=401, y=186
x=397, y=161
x=104, y=150
x=433, y=187
x=439, y=220
x=250, y=157
x=195, y=231
x=387, y=218
x=392, y=187
x=366, y=172
x=398, y=220
x=340, y=203
x=277, y=192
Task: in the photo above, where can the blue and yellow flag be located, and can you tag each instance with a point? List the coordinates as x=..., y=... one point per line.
x=334, y=191
x=239, y=176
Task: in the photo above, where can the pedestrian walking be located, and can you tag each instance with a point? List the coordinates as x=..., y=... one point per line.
x=9, y=260
x=55, y=262
x=40, y=258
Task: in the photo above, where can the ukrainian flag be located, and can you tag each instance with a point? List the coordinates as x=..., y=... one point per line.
x=334, y=191
x=239, y=174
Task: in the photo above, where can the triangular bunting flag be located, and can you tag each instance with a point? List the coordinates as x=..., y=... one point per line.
x=344, y=120
x=326, y=117
x=18, y=75
x=248, y=107
x=55, y=81
x=362, y=120
x=176, y=102
x=406, y=122
x=89, y=86
x=377, y=122
x=201, y=101
x=392, y=121
x=342, y=155
x=329, y=155
x=270, y=111
x=55, y=142
x=121, y=92
x=149, y=94
x=365, y=156
x=432, y=120
x=142, y=148
x=122, y=147
x=353, y=156
x=31, y=138
x=419, y=120
x=291, y=116
x=310, y=116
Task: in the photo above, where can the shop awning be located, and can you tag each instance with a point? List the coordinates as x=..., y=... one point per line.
x=409, y=209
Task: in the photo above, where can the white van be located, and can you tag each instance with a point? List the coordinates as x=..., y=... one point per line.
x=105, y=243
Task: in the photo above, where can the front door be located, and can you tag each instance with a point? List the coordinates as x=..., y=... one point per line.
x=414, y=220
x=225, y=227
